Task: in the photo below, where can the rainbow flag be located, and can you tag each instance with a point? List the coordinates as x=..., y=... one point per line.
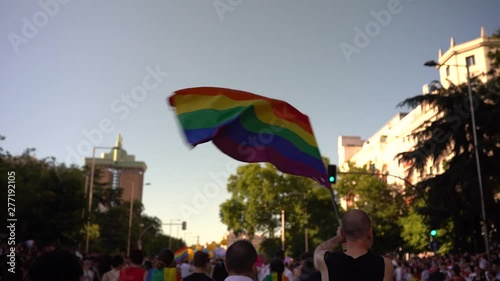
x=250, y=128
x=181, y=254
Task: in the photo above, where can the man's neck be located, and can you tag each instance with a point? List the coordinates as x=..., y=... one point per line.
x=199, y=270
x=241, y=274
x=355, y=250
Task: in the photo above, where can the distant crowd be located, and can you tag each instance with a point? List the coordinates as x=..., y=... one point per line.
x=60, y=264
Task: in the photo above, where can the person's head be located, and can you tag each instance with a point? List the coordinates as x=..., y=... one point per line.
x=136, y=257
x=277, y=265
x=241, y=259
x=56, y=265
x=220, y=272
x=357, y=226
x=165, y=258
x=201, y=259
x=87, y=263
x=279, y=254
x=116, y=261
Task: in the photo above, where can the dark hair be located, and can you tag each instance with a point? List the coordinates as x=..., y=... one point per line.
x=200, y=259
x=136, y=256
x=241, y=257
x=57, y=265
x=166, y=256
x=116, y=261
x=147, y=265
x=280, y=254
x=104, y=264
x=220, y=272
x=278, y=266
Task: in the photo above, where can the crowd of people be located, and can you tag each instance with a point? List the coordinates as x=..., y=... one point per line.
x=242, y=263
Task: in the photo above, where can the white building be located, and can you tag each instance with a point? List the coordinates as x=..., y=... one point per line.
x=380, y=150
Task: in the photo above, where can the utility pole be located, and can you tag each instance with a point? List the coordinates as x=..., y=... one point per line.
x=282, y=229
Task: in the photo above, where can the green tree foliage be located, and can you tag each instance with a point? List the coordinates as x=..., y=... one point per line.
x=256, y=200
x=260, y=192
x=52, y=202
x=49, y=199
x=453, y=197
x=384, y=203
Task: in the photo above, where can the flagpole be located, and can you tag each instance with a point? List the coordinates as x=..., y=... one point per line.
x=335, y=208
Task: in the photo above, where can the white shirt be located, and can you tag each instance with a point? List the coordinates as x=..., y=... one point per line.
x=185, y=270
x=238, y=278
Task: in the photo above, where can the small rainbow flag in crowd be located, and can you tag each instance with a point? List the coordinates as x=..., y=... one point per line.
x=251, y=128
x=181, y=254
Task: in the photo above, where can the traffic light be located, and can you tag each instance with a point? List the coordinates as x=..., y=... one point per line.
x=183, y=225
x=434, y=233
x=332, y=174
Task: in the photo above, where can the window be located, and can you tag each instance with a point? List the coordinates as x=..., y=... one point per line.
x=470, y=60
x=447, y=71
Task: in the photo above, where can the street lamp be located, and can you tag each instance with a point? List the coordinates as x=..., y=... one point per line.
x=170, y=233
x=474, y=135
x=131, y=211
x=91, y=191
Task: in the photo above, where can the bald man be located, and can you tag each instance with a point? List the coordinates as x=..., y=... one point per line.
x=357, y=262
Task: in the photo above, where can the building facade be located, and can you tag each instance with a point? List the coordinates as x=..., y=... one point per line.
x=379, y=152
x=118, y=169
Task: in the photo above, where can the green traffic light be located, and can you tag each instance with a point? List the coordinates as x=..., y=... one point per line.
x=434, y=232
x=332, y=179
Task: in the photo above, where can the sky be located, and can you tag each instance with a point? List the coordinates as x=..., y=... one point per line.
x=75, y=74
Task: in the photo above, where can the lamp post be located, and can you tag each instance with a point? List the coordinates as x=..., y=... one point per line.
x=91, y=191
x=476, y=152
x=282, y=229
x=170, y=233
x=131, y=210
x=139, y=241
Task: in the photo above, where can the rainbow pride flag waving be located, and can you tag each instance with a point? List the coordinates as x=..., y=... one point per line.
x=181, y=254
x=250, y=128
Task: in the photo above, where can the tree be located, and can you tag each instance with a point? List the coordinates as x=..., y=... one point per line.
x=384, y=203
x=260, y=192
x=452, y=198
x=48, y=198
x=253, y=189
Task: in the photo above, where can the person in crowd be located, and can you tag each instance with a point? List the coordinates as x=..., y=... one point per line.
x=357, y=262
x=241, y=261
x=276, y=269
x=185, y=269
x=164, y=268
x=56, y=265
x=219, y=272
x=134, y=272
x=89, y=271
x=116, y=266
x=202, y=267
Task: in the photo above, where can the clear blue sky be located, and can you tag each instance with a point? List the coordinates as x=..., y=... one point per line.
x=65, y=68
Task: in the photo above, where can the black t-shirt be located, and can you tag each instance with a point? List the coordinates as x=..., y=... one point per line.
x=342, y=267
x=197, y=277
x=437, y=276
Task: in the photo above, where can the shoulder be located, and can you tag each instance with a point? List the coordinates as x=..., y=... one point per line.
x=388, y=269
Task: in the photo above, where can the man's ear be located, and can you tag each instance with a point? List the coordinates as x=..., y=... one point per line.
x=370, y=233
